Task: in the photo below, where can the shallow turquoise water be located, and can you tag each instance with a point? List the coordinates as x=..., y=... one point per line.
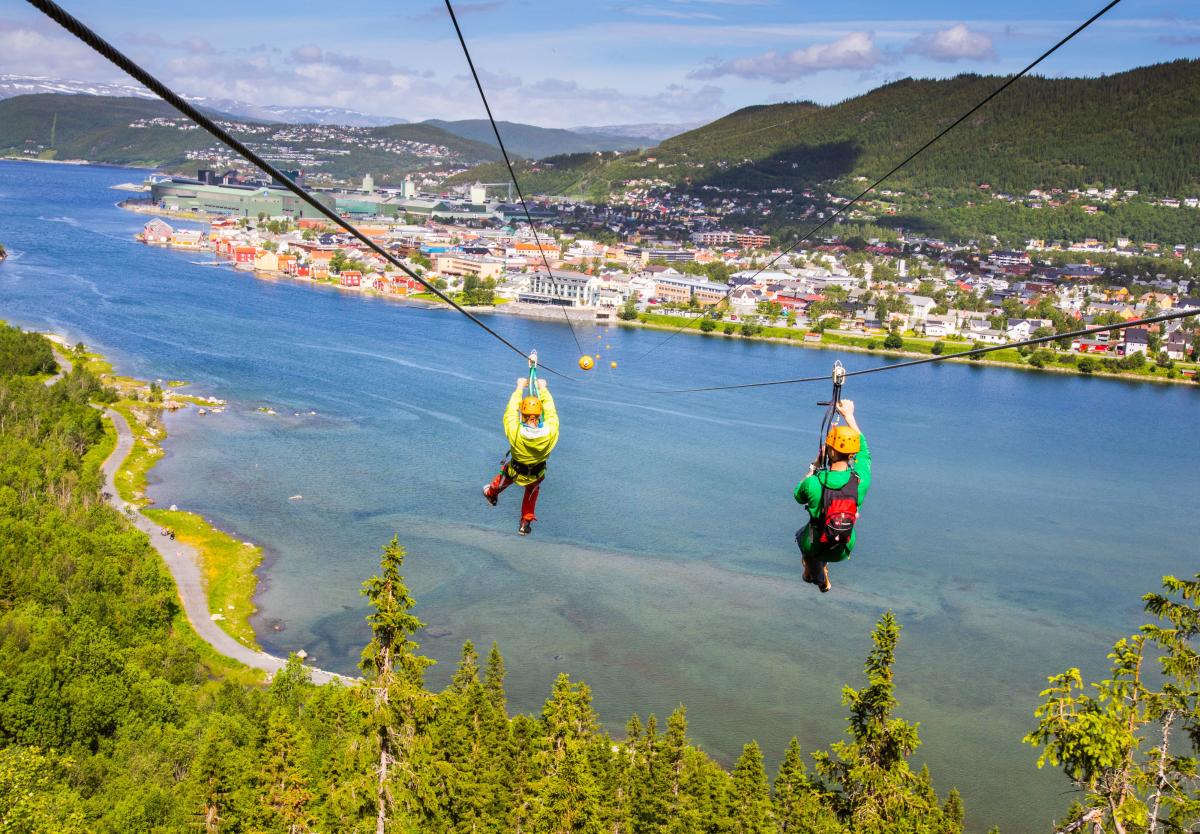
x=1007, y=526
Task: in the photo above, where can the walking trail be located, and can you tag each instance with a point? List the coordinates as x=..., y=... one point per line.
x=183, y=561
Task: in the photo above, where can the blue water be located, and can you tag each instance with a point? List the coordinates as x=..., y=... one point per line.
x=1015, y=520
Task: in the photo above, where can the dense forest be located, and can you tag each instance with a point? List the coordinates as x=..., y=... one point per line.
x=1132, y=130
x=114, y=718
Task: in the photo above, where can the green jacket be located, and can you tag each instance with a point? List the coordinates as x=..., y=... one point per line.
x=530, y=445
x=808, y=493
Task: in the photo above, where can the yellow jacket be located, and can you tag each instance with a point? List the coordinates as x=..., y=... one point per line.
x=531, y=445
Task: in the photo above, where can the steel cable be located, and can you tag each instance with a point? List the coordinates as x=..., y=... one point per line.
x=508, y=162
x=808, y=235
x=84, y=33
x=1040, y=340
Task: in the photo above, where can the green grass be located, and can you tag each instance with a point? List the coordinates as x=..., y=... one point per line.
x=131, y=477
x=227, y=566
x=913, y=346
x=96, y=455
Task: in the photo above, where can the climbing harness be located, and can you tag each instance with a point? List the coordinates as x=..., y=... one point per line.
x=838, y=510
x=510, y=465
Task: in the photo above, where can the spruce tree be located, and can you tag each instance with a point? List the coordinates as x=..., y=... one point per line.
x=567, y=797
x=750, y=810
x=873, y=789
x=393, y=689
x=285, y=793
x=797, y=801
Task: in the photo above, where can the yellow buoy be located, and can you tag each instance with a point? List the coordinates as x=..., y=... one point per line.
x=586, y=363
x=608, y=347
x=597, y=356
x=613, y=365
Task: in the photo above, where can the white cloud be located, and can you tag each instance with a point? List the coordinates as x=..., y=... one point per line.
x=856, y=50
x=45, y=50
x=308, y=53
x=954, y=44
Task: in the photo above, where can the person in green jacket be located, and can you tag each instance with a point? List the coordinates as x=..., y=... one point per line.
x=848, y=457
x=531, y=425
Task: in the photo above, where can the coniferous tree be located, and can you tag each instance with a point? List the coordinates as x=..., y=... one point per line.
x=566, y=793
x=798, y=802
x=212, y=778
x=751, y=811
x=873, y=788
x=285, y=794
x=394, y=691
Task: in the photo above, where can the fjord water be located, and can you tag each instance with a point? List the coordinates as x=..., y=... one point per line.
x=1015, y=520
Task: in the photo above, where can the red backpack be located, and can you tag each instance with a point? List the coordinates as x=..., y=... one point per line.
x=839, y=511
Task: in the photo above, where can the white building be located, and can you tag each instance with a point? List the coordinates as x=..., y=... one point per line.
x=565, y=289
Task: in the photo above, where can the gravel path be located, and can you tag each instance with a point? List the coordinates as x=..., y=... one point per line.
x=182, y=560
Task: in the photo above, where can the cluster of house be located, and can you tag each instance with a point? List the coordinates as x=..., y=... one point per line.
x=601, y=277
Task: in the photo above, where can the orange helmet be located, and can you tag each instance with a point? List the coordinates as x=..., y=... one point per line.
x=531, y=407
x=843, y=439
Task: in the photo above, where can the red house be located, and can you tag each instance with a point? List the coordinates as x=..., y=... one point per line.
x=244, y=254
x=351, y=278
x=791, y=302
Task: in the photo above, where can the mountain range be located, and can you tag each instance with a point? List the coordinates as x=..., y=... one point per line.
x=529, y=141
x=149, y=132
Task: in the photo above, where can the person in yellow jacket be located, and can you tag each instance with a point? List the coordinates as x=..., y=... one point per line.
x=531, y=425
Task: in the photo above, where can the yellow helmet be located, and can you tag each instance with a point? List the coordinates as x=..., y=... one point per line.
x=843, y=439
x=531, y=407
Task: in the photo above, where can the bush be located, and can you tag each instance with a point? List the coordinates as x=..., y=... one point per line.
x=872, y=344
x=1041, y=358
x=1086, y=365
x=729, y=329
x=707, y=325
x=938, y=349
x=24, y=354
x=1068, y=358
x=893, y=342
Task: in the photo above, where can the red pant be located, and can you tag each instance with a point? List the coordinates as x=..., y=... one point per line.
x=528, y=504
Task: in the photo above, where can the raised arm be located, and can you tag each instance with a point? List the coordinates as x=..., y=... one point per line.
x=862, y=460
x=549, y=410
x=512, y=412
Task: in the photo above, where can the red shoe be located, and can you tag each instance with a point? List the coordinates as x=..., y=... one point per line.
x=487, y=494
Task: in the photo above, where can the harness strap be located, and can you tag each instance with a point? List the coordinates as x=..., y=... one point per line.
x=514, y=467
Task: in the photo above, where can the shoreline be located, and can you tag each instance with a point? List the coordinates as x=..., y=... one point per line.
x=848, y=346
x=1065, y=370
x=211, y=569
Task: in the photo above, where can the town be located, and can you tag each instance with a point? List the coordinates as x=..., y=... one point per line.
x=653, y=260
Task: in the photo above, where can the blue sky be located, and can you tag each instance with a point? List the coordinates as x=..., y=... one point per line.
x=565, y=63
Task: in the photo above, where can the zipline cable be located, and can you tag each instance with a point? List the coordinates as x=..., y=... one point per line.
x=508, y=161
x=808, y=235
x=81, y=31
x=1040, y=340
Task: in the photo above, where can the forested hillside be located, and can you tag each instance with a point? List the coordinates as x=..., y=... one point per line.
x=1132, y=130
x=114, y=718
